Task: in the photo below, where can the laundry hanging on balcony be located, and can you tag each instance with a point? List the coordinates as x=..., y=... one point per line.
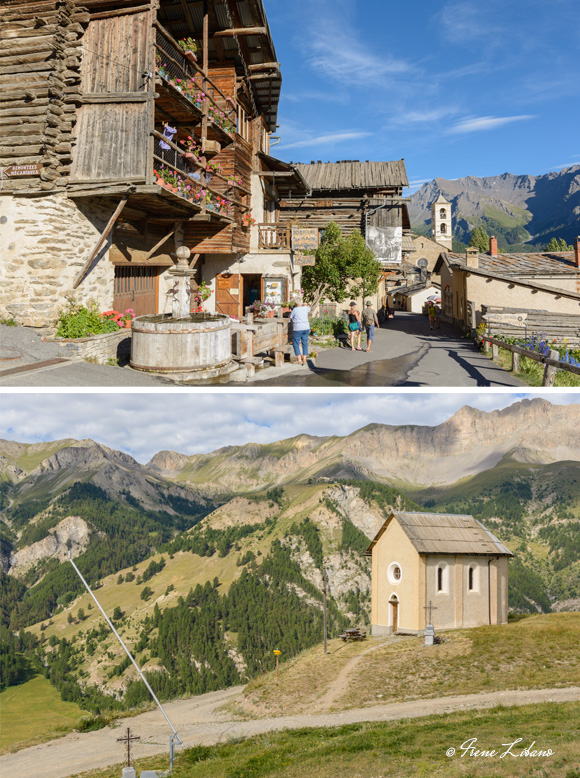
x=168, y=132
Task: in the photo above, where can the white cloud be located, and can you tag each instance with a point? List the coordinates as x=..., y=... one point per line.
x=481, y=123
x=325, y=140
x=143, y=423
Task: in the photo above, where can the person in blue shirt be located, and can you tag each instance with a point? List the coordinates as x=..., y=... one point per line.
x=300, y=329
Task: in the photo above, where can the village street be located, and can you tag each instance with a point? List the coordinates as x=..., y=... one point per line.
x=405, y=353
x=200, y=720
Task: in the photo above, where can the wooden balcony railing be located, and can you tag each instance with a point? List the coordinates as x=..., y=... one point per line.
x=191, y=79
x=273, y=236
x=166, y=155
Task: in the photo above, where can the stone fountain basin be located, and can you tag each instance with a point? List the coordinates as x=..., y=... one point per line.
x=162, y=344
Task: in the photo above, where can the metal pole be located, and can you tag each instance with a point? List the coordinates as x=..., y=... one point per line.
x=277, y=657
x=151, y=692
x=324, y=592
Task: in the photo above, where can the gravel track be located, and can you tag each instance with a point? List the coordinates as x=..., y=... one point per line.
x=199, y=721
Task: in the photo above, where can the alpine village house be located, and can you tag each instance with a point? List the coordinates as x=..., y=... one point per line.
x=119, y=145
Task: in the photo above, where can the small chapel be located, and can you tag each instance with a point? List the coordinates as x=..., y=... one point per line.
x=447, y=570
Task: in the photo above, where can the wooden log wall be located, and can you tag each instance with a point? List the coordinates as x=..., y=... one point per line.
x=347, y=211
x=555, y=326
x=40, y=57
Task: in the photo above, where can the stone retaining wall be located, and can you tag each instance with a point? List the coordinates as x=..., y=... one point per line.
x=98, y=348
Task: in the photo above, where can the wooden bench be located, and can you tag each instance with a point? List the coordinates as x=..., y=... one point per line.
x=353, y=634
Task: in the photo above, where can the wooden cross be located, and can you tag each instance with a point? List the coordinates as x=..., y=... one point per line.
x=430, y=608
x=128, y=739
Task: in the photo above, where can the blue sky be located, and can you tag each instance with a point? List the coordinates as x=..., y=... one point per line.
x=461, y=87
x=142, y=423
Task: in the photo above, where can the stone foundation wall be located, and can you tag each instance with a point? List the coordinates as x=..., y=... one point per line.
x=98, y=348
x=44, y=243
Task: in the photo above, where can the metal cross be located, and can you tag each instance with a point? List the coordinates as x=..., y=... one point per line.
x=128, y=739
x=430, y=608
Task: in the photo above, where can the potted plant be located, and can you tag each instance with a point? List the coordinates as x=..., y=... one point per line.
x=189, y=47
x=247, y=221
x=263, y=309
x=162, y=70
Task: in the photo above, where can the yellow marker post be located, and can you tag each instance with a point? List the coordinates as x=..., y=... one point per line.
x=277, y=653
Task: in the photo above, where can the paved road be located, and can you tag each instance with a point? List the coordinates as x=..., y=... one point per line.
x=26, y=360
x=199, y=721
x=405, y=353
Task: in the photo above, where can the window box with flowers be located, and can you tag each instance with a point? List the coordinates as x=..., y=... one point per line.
x=189, y=47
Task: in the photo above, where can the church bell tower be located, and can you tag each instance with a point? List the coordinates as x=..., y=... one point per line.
x=441, y=222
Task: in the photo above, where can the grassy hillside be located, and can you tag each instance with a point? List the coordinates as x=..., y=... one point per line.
x=33, y=712
x=532, y=652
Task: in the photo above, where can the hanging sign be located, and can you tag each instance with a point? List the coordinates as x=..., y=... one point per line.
x=304, y=239
x=22, y=170
x=303, y=260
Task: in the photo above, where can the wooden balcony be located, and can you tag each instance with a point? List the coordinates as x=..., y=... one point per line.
x=274, y=237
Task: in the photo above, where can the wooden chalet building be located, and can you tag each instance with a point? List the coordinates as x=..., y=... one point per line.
x=99, y=104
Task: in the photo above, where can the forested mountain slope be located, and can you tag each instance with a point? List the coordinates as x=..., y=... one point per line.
x=203, y=582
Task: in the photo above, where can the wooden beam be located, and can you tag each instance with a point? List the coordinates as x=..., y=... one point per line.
x=264, y=66
x=277, y=174
x=115, y=97
x=240, y=31
x=119, y=11
x=101, y=240
x=159, y=244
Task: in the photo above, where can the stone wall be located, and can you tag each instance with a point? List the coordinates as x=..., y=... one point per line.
x=44, y=243
x=98, y=348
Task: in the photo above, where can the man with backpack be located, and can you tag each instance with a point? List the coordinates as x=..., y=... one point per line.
x=370, y=320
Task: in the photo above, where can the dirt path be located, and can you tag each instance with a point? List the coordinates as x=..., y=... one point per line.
x=199, y=722
x=340, y=684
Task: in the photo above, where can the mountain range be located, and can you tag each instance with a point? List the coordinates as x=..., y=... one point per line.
x=523, y=211
x=207, y=560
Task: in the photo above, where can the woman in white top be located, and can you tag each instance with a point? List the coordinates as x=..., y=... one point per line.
x=300, y=329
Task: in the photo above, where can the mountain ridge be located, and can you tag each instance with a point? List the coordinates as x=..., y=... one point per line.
x=523, y=211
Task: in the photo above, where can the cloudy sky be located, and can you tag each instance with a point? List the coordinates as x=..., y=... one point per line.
x=460, y=87
x=141, y=424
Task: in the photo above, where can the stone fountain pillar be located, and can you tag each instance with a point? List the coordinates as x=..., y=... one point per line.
x=182, y=273
x=183, y=345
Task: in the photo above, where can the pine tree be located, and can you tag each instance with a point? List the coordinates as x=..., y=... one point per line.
x=479, y=239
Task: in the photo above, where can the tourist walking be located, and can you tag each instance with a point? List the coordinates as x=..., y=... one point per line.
x=300, y=329
x=354, y=326
x=437, y=317
x=431, y=314
x=370, y=320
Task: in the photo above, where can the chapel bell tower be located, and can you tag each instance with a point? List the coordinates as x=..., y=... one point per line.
x=441, y=221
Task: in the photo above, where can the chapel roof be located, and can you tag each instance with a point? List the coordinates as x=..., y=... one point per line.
x=445, y=533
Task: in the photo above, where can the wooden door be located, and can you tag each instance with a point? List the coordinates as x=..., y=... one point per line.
x=228, y=294
x=136, y=288
x=395, y=613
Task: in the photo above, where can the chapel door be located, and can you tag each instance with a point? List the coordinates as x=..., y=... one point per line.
x=136, y=287
x=395, y=614
x=228, y=294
